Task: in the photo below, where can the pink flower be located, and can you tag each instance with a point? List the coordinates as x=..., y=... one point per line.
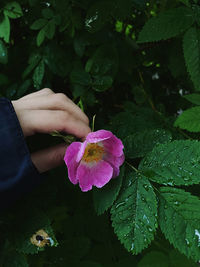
x=95, y=161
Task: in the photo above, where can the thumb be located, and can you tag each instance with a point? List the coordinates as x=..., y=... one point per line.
x=49, y=158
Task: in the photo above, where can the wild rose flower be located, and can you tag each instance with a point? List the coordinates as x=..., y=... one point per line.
x=95, y=161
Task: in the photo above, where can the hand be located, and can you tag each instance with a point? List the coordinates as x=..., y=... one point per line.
x=44, y=112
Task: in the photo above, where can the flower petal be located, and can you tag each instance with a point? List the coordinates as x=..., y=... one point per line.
x=98, y=174
x=113, y=146
x=115, y=162
x=98, y=136
x=81, y=151
x=71, y=160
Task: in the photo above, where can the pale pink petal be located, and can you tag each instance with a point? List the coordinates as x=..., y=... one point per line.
x=71, y=160
x=98, y=136
x=113, y=146
x=115, y=162
x=81, y=151
x=98, y=174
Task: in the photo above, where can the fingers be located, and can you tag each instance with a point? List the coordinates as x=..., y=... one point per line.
x=54, y=102
x=43, y=92
x=46, y=121
x=49, y=158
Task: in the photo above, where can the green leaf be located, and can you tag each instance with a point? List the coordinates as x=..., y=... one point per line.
x=33, y=62
x=5, y=29
x=134, y=214
x=179, y=218
x=80, y=77
x=154, y=259
x=189, y=120
x=103, y=83
x=50, y=29
x=175, y=163
x=40, y=37
x=139, y=144
x=105, y=197
x=3, y=53
x=191, y=50
x=193, y=98
x=38, y=24
x=38, y=75
x=47, y=13
x=166, y=25
x=97, y=16
x=24, y=88
x=13, y=10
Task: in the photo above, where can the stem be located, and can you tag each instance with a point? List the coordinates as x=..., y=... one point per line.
x=93, y=121
x=131, y=166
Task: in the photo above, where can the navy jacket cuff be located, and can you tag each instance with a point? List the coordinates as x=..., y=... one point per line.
x=18, y=174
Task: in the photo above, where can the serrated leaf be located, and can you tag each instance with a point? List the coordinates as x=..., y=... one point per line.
x=40, y=37
x=179, y=218
x=13, y=10
x=191, y=50
x=167, y=24
x=175, y=163
x=3, y=53
x=38, y=24
x=193, y=98
x=189, y=120
x=105, y=197
x=5, y=29
x=134, y=214
x=140, y=143
x=38, y=74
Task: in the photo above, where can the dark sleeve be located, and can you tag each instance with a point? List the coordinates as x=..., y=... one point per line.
x=18, y=175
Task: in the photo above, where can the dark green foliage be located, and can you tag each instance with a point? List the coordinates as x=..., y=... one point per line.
x=175, y=163
x=167, y=25
x=179, y=218
x=134, y=214
x=136, y=65
x=189, y=120
x=104, y=198
x=191, y=51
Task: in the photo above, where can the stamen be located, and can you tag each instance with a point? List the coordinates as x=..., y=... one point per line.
x=93, y=152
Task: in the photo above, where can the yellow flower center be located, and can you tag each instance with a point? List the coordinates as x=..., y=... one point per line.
x=93, y=152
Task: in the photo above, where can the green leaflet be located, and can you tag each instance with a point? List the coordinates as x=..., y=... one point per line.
x=175, y=163
x=191, y=50
x=13, y=10
x=38, y=74
x=134, y=214
x=140, y=143
x=5, y=29
x=167, y=25
x=193, y=98
x=189, y=120
x=179, y=218
x=104, y=197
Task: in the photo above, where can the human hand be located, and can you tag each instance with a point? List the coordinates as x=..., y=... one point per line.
x=44, y=112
